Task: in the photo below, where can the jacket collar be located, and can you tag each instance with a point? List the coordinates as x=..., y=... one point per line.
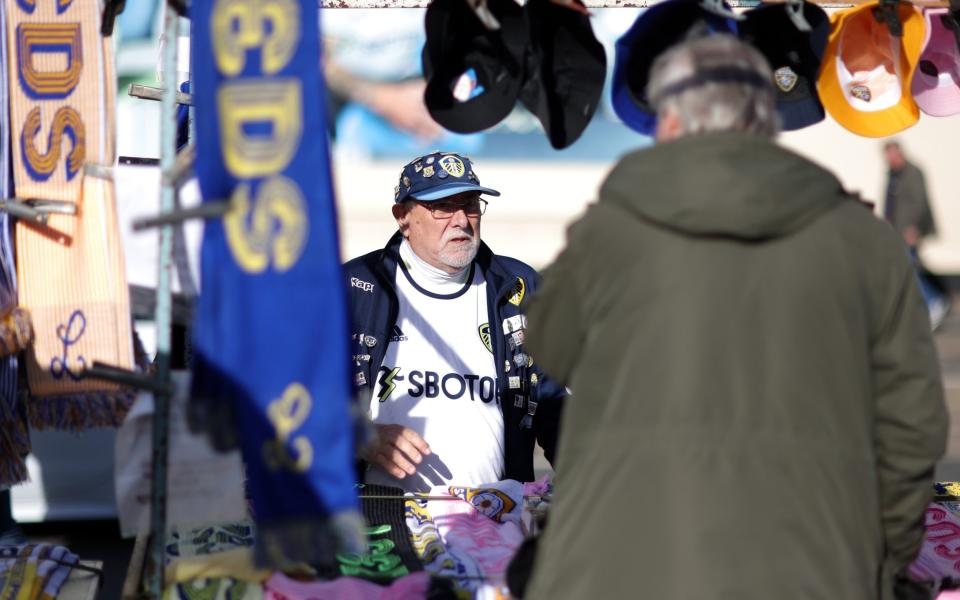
x=491, y=268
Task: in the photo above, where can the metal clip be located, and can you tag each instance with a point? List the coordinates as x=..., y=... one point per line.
x=111, y=10
x=147, y=92
x=208, y=210
x=887, y=11
x=97, y=170
x=50, y=207
x=719, y=8
x=795, y=12
x=182, y=166
x=20, y=210
x=480, y=8
x=36, y=211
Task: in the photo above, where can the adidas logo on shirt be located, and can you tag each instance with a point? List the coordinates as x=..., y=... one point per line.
x=398, y=335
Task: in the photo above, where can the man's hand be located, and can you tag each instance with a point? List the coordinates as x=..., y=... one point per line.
x=397, y=449
x=911, y=235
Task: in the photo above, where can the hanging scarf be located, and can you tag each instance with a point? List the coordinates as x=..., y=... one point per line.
x=270, y=335
x=14, y=438
x=71, y=273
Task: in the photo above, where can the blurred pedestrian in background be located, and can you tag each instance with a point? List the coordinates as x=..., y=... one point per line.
x=908, y=210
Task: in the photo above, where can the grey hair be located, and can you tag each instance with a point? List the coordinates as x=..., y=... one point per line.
x=715, y=105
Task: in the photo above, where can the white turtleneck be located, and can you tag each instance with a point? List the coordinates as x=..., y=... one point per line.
x=438, y=377
x=430, y=277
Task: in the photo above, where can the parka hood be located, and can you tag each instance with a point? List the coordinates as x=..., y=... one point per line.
x=723, y=184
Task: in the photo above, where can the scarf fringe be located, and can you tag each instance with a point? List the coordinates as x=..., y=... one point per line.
x=80, y=412
x=13, y=470
x=311, y=540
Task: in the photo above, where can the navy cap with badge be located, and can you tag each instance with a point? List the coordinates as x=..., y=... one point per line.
x=436, y=176
x=794, y=54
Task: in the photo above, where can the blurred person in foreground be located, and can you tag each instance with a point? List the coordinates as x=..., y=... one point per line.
x=439, y=334
x=907, y=208
x=758, y=406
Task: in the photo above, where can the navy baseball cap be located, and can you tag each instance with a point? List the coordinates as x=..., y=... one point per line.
x=794, y=56
x=656, y=30
x=436, y=176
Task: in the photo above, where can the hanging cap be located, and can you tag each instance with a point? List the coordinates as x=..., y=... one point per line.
x=565, y=81
x=473, y=73
x=865, y=79
x=655, y=30
x=936, y=83
x=794, y=56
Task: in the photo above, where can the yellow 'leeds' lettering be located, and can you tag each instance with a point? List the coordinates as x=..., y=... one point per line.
x=260, y=125
x=287, y=413
x=41, y=165
x=241, y=25
x=274, y=227
x=45, y=38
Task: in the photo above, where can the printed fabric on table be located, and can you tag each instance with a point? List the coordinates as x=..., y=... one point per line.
x=938, y=561
x=214, y=588
x=470, y=540
x=390, y=553
x=34, y=571
x=270, y=326
x=209, y=540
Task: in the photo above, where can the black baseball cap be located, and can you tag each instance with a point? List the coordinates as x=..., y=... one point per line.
x=473, y=74
x=436, y=176
x=566, y=67
x=794, y=56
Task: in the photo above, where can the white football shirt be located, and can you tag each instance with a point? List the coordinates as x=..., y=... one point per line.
x=438, y=378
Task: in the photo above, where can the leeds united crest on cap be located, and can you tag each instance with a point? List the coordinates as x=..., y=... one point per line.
x=785, y=78
x=861, y=92
x=452, y=165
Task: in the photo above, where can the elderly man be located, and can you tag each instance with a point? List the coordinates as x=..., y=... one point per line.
x=439, y=342
x=758, y=406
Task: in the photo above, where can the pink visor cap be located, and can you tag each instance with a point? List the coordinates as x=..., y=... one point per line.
x=936, y=82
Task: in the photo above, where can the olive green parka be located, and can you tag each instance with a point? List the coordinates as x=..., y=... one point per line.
x=757, y=407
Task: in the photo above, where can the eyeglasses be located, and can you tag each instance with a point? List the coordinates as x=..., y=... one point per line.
x=446, y=210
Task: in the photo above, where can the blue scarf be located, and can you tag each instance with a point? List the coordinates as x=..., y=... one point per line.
x=271, y=335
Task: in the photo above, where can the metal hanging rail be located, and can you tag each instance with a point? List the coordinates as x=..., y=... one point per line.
x=602, y=3
x=168, y=153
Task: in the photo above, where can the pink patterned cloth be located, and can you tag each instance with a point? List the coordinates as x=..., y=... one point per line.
x=539, y=487
x=939, y=556
x=409, y=587
x=485, y=526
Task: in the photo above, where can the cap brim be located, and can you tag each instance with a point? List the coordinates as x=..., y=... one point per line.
x=445, y=191
x=800, y=114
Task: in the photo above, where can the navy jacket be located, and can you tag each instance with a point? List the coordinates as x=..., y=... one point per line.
x=374, y=309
